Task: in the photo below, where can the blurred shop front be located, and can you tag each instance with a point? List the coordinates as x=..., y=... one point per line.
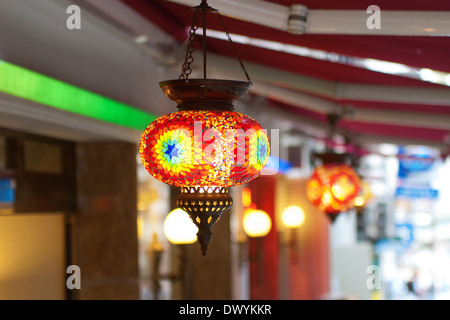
x=68, y=146
x=416, y=259
x=60, y=207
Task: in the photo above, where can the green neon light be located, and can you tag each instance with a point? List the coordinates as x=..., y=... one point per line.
x=26, y=84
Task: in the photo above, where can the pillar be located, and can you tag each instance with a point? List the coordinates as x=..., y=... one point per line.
x=105, y=245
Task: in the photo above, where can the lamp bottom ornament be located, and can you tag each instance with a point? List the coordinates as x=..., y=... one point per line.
x=205, y=206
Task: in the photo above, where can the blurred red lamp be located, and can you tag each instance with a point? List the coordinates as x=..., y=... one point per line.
x=333, y=186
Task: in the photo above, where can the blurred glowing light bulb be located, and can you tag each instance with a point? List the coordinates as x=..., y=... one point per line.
x=179, y=228
x=257, y=223
x=293, y=217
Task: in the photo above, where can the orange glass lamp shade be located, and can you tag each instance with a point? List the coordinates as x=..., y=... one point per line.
x=204, y=148
x=332, y=188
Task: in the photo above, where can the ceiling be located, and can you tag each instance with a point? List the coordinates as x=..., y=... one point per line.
x=380, y=104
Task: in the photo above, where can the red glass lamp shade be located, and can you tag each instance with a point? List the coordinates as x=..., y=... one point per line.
x=333, y=187
x=204, y=148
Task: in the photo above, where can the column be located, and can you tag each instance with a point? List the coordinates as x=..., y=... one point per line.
x=105, y=245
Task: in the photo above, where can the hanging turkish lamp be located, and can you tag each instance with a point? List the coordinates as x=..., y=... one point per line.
x=205, y=147
x=334, y=184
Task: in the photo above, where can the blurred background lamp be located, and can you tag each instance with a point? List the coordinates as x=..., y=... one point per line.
x=293, y=217
x=257, y=223
x=333, y=188
x=179, y=228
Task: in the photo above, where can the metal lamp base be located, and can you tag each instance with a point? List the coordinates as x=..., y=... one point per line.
x=205, y=206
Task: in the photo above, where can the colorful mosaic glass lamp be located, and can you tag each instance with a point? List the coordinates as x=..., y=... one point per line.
x=334, y=184
x=205, y=147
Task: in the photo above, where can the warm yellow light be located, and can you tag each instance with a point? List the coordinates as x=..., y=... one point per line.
x=246, y=197
x=179, y=228
x=293, y=217
x=326, y=198
x=337, y=191
x=140, y=227
x=257, y=223
x=141, y=206
x=359, y=201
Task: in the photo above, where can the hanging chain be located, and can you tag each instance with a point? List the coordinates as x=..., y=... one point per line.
x=233, y=46
x=333, y=119
x=189, y=59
